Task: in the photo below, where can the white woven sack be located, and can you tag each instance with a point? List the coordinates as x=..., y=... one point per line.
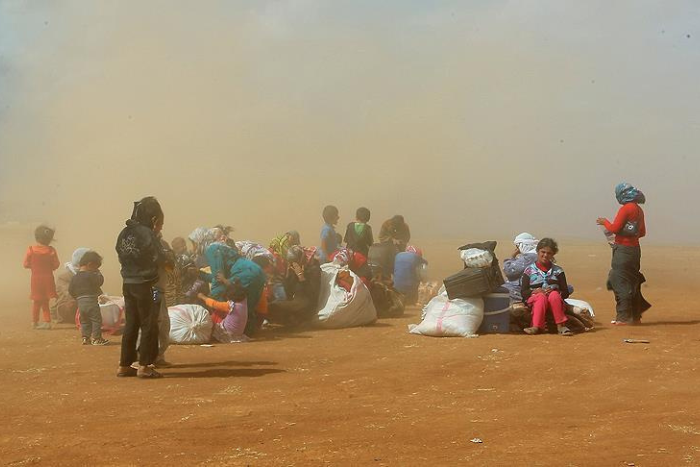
x=450, y=318
x=189, y=324
x=580, y=304
x=340, y=308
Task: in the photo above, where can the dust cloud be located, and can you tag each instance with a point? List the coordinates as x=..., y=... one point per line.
x=471, y=119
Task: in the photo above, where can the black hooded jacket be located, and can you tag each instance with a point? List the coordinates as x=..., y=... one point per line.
x=140, y=253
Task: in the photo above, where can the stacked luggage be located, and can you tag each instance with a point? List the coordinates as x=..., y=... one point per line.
x=479, y=276
x=482, y=278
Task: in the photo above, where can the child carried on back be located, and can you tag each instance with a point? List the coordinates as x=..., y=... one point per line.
x=230, y=317
x=85, y=287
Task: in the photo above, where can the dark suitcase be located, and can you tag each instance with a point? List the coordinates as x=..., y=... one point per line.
x=474, y=282
x=496, y=313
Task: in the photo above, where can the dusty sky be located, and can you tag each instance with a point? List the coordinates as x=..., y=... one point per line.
x=471, y=118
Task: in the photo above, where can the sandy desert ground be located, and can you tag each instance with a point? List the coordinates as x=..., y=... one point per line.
x=374, y=395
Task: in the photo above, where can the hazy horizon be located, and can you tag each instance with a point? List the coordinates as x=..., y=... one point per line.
x=469, y=118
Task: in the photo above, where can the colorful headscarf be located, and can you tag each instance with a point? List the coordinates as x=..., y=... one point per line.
x=342, y=256
x=202, y=237
x=626, y=193
x=74, y=264
x=414, y=249
x=526, y=243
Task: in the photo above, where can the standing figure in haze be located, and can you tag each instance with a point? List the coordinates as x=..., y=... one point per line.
x=544, y=289
x=625, y=278
x=358, y=234
x=395, y=230
x=42, y=260
x=86, y=289
x=329, y=237
x=141, y=256
x=524, y=255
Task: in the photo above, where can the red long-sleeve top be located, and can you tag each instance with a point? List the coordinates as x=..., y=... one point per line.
x=628, y=212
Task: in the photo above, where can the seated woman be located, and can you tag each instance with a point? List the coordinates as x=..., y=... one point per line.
x=544, y=289
x=230, y=317
x=302, y=286
x=524, y=255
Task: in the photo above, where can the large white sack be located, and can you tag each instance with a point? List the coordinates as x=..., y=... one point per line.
x=112, y=312
x=580, y=304
x=443, y=317
x=339, y=308
x=189, y=324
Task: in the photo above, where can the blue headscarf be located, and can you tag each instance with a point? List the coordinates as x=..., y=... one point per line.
x=626, y=193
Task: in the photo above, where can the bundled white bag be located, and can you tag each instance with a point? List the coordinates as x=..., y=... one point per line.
x=581, y=305
x=443, y=317
x=476, y=258
x=112, y=312
x=189, y=324
x=340, y=308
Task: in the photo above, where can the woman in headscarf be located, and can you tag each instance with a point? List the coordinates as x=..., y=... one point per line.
x=625, y=278
x=200, y=238
x=279, y=246
x=395, y=230
x=302, y=284
x=65, y=306
x=524, y=255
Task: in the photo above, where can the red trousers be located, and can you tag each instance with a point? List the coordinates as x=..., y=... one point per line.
x=541, y=303
x=38, y=306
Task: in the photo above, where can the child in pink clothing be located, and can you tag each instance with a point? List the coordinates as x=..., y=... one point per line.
x=42, y=260
x=230, y=317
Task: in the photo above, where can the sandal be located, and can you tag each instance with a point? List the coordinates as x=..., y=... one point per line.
x=125, y=371
x=532, y=330
x=564, y=331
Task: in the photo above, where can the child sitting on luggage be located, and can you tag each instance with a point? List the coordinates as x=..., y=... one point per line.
x=85, y=287
x=230, y=317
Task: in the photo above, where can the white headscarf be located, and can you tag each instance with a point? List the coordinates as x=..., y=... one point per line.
x=74, y=264
x=526, y=243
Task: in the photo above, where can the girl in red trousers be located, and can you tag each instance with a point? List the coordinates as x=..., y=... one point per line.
x=42, y=259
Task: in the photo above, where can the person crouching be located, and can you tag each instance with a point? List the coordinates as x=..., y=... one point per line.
x=85, y=287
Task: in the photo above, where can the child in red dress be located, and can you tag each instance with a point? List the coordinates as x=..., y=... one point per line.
x=42, y=259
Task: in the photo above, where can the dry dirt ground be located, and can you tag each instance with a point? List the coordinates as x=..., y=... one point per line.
x=375, y=395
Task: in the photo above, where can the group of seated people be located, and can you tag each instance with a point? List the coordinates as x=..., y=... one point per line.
x=281, y=282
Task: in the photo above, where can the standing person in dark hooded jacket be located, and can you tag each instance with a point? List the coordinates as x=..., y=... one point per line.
x=625, y=278
x=141, y=255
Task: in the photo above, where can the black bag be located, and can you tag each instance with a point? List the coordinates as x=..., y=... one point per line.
x=474, y=282
x=630, y=229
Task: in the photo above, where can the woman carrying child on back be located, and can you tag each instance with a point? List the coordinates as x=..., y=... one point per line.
x=544, y=289
x=42, y=259
x=85, y=288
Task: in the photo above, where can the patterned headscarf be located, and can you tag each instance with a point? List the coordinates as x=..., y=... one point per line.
x=414, y=249
x=202, y=237
x=626, y=193
x=342, y=256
